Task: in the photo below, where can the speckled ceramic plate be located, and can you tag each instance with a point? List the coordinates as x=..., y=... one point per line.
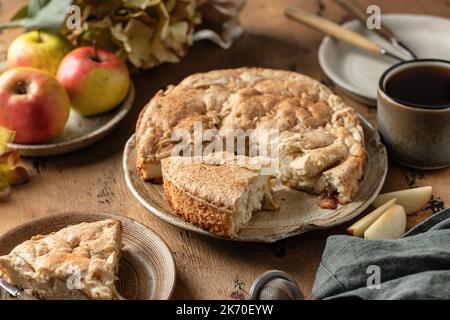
x=146, y=269
x=299, y=211
x=357, y=72
x=80, y=132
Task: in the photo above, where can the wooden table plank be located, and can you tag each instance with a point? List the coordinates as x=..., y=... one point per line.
x=91, y=180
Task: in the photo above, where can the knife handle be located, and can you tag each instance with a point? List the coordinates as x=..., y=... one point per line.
x=332, y=29
x=359, y=13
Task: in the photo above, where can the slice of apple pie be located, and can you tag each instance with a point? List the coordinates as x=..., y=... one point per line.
x=219, y=192
x=77, y=262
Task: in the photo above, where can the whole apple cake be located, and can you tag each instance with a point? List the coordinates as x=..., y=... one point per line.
x=320, y=141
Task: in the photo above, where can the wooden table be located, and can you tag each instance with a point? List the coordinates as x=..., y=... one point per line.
x=91, y=180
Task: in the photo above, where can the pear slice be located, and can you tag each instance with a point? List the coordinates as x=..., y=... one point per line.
x=391, y=224
x=357, y=229
x=411, y=199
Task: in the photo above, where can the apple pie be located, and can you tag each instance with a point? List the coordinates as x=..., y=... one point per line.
x=219, y=192
x=321, y=141
x=78, y=262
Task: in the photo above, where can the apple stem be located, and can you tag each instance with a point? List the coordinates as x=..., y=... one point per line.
x=94, y=44
x=21, y=87
x=39, y=38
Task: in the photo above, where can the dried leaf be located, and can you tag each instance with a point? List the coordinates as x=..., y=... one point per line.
x=179, y=31
x=163, y=53
x=138, y=37
x=141, y=4
x=100, y=8
x=16, y=176
x=10, y=173
x=163, y=25
x=9, y=160
x=170, y=5
x=6, y=136
x=118, y=33
x=5, y=191
x=144, y=32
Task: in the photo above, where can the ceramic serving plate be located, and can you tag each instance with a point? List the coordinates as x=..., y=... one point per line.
x=357, y=72
x=146, y=269
x=299, y=211
x=79, y=132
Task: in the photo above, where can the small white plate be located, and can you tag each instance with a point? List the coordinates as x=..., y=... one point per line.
x=79, y=131
x=357, y=72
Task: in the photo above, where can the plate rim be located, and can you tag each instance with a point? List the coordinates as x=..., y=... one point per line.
x=178, y=222
x=64, y=147
x=350, y=90
x=103, y=215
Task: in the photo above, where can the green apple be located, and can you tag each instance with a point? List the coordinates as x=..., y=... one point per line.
x=96, y=80
x=38, y=49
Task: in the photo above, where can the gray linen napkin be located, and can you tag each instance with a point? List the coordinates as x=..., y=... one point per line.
x=417, y=266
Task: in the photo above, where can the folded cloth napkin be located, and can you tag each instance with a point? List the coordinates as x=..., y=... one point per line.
x=417, y=266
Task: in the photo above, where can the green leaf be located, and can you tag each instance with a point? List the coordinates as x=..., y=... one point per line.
x=35, y=5
x=47, y=15
x=21, y=14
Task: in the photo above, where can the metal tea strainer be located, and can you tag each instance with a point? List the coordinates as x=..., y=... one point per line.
x=275, y=285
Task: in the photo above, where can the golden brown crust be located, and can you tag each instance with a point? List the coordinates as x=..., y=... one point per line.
x=221, y=183
x=218, y=192
x=200, y=213
x=321, y=140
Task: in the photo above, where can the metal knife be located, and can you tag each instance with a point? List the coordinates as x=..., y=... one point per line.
x=15, y=292
x=353, y=8
x=337, y=31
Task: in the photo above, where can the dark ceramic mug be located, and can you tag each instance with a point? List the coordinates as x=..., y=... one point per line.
x=415, y=136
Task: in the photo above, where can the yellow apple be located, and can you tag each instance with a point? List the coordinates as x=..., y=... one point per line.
x=411, y=199
x=359, y=227
x=96, y=80
x=391, y=224
x=38, y=49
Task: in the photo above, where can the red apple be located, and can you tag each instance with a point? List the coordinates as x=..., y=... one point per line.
x=96, y=80
x=33, y=104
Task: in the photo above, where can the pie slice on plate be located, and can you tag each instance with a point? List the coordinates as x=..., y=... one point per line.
x=77, y=262
x=219, y=192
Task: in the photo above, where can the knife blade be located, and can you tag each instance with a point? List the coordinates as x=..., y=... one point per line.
x=358, y=12
x=14, y=291
x=337, y=31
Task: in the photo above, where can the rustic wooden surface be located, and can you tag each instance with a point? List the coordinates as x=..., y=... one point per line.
x=91, y=180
